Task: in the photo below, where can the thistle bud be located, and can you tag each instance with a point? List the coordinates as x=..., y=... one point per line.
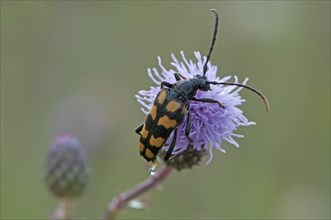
x=66, y=173
x=186, y=159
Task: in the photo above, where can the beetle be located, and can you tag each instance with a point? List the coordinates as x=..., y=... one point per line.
x=171, y=105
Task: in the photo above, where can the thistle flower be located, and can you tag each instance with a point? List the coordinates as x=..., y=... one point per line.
x=210, y=124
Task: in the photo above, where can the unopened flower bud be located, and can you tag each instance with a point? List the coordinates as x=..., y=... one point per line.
x=186, y=159
x=66, y=167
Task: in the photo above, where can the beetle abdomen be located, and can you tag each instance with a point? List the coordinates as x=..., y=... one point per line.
x=165, y=115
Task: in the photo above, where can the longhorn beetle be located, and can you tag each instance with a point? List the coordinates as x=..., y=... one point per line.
x=171, y=105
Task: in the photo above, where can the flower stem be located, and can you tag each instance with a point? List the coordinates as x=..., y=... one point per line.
x=64, y=210
x=120, y=200
x=68, y=208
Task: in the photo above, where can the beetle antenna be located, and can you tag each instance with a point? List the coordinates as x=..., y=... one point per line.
x=212, y=43
x=265, y=100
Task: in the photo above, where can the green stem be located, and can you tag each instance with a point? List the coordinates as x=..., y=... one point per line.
x=67, y=206
x=64, y=210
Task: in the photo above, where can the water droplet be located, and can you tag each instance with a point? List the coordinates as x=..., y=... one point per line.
x=152, y=173
x=151, y=170
x=137, y=204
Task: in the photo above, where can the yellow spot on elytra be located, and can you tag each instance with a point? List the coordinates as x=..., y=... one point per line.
x=172, y=106
x=157, y=142
x=144, y=132
x=161, y=97
x=184, y=110
x=167, y=122
x=149, y=153
x=152, y=112
x=141, y=147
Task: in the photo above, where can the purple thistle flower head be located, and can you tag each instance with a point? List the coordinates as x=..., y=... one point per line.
x=210, y=124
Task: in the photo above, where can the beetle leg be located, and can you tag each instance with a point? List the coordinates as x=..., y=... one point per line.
x=207, y=100
x=138, y=130
x=172, y=146
x=188, y=125
x=166, y=84
x=179, y=76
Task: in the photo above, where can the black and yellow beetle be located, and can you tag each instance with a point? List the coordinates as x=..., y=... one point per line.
x=171, y=105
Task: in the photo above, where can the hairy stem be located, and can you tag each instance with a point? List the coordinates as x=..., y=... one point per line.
x=64, y=211
x=68, y=208
x=120, y=200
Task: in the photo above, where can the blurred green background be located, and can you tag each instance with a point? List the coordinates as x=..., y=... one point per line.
x=75, y=66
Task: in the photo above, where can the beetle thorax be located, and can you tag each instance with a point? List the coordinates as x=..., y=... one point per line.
x=189, y=88
x=186, y=88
